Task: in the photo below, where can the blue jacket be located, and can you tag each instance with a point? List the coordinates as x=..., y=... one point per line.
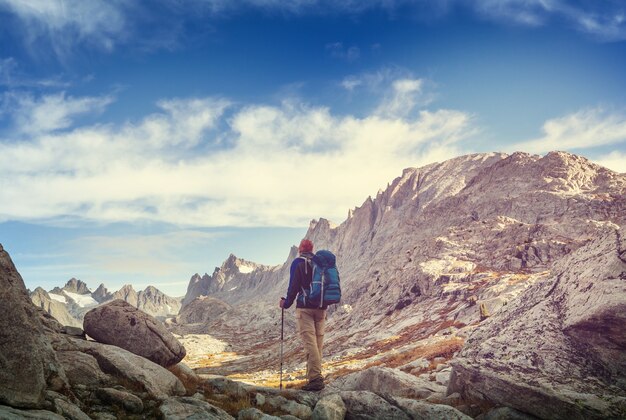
x=300, y=277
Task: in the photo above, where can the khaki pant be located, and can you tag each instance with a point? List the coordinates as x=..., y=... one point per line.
x=311, y=328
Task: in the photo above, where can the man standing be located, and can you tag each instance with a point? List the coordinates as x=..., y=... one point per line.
x=310, y=317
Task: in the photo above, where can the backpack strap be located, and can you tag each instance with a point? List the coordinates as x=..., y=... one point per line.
x=307, y=263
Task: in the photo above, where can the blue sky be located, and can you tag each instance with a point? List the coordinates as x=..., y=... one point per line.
x=142, y=142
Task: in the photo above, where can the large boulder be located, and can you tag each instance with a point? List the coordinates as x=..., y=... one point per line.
x=82, y=369
x=422, y=410
x=10, y=413
x=558, y=350
x=364, y=405
x=380, y=379
x=329, y=407
x=27, y=361
x=138, y=372
x=191, y=408
x=122, y=325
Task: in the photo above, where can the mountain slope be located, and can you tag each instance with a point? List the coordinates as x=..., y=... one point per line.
x=437, y=244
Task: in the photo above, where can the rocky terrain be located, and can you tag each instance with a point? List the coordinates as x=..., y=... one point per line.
x=48, y=371
x=419, y=261
x=69, y=304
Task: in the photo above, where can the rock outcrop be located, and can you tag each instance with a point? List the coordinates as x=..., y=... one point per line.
x=27, y=362
x=47, y=373
x=558, y=350
x=390, y=381
x=120, y=324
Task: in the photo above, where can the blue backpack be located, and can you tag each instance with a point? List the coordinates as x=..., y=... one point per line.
x=325, y=287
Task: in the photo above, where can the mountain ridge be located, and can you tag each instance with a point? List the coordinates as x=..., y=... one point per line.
x=427, y=252
x=70, y=303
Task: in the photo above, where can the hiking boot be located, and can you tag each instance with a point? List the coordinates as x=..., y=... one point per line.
x=314, y=385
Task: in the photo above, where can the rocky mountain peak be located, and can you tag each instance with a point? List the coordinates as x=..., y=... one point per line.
x=76, y=286
x=40, y=291
x=101, y=294
x=127, y=293
x=234, y=264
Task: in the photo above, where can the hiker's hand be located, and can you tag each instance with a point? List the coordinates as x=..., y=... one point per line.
x=282, y=303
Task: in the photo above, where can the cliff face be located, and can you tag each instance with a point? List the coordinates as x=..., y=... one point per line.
x=446, y=227
x=558, y=348
x=28, y=364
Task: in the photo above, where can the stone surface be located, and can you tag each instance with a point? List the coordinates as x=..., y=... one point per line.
x=191, y=408
x=555, y=351
x=505, y=413
x=254, y=414
x=69, y=410
x=188, y=377
x=387, y=380
x=365, y=405
x=227, y=386
x=421, y=410
x=120, y=324
x=144, y=374
x=82, y=368
x=329, y=407
x=129, y=402
x=10, y=413
x=27, y=361
x=285, y=405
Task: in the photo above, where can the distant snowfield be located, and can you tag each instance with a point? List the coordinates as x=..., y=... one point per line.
x=58, y=298
x=245, y=269
x=81, y=300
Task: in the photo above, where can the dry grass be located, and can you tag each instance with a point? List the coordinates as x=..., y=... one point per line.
x=232, y=405
x=217, y=360
x=443, y=349
x=517, y=278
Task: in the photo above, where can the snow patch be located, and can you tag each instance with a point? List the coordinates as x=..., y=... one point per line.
x=82, y=300
x=58, y=298
x=245, y=269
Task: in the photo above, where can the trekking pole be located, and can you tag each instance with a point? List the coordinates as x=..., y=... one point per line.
x=282, y=327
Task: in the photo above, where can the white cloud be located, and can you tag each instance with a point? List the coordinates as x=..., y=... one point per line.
x=191, y=164
x=402, y=99
x=584, y=129
x=604, y=20
x=68, y=21
x=52, y=112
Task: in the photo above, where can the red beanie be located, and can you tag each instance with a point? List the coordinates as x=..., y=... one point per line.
x=305, y=246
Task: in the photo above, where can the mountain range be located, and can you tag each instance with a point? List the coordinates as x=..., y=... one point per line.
x=70, y=303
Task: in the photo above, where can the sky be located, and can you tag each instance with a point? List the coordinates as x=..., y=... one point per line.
x=142, y=142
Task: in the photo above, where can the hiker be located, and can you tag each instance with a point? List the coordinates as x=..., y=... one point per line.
x=310, y=317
